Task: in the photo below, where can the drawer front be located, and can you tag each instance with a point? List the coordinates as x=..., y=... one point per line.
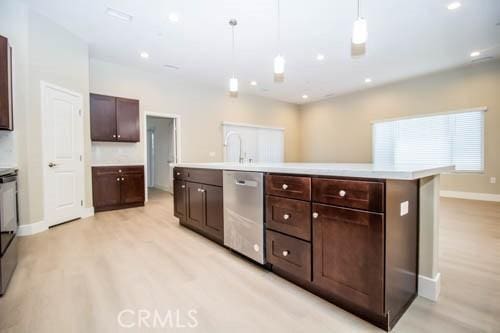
x=293, y=187
x=130, y=170
x=289, y=216
x=357, y=194
x=289, y=254
x=202, y=176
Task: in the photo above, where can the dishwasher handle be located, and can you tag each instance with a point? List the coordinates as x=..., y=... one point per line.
x=250, y=183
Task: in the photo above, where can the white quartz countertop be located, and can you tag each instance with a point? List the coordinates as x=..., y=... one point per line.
x=116, y=164
x=358, y=170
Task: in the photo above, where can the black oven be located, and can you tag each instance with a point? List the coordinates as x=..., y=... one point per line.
x=8, y=226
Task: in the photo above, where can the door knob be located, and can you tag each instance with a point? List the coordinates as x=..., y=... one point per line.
x=52, y=164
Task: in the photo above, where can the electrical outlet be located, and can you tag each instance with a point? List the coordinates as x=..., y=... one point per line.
x=404, y=208
x=493, y=180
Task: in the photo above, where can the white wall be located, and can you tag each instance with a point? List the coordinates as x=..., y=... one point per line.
x=42, y=51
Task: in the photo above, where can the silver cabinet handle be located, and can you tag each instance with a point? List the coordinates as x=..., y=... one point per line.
x=286, y=216
x=284, y=186
x=286, y=253
x=201, y=190
x=315, y=215
x=342, y=193
x=52, y=164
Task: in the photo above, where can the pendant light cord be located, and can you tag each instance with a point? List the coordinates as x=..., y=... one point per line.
x=279, y=26
x=358, y=9
x=234, y=65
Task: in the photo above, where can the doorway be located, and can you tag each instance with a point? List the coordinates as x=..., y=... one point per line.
x=161, y=150
x=62, y=154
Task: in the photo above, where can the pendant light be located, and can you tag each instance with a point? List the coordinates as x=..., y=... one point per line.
x=233, y=81
x=359, y=30
x=279, y=61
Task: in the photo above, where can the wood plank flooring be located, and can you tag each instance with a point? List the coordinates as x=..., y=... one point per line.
x=78, y=277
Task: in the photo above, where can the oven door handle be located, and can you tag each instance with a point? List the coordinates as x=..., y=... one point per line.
x=7, y=179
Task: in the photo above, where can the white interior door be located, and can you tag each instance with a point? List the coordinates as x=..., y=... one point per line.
x=63, y=149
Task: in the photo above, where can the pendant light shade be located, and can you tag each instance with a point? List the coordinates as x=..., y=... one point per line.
x=279, y=65
x=233, y=81
x=359, y=31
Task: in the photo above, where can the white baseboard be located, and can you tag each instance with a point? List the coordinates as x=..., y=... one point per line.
x=87, y=212
x=471, y=195
x=429, y=287
x=163, y=188
x=32, y=228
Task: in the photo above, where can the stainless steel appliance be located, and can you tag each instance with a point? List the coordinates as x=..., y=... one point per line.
x=244, y=213
x=8, y=226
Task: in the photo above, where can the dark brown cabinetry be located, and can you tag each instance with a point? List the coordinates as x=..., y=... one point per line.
x=117, y=187
x=114, y=119
x=6, y=97
x=198, y=201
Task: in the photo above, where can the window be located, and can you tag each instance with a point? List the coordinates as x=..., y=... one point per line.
x=261, y=144
x=452, y=138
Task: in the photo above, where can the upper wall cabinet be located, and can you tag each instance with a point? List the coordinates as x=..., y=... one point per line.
x=114, y=119
x=6, y=117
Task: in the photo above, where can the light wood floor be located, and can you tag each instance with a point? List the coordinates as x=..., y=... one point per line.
x=79, y=276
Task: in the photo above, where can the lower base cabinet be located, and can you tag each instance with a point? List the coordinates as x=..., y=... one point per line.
x=117, y=187
x=199, y=206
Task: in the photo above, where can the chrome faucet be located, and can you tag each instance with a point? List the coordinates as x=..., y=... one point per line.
x=229, y=134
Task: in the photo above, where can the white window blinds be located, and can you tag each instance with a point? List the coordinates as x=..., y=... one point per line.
x=260, y=144
x=453, y=138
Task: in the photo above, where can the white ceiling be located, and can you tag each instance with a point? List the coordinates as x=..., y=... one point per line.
x=405, y=38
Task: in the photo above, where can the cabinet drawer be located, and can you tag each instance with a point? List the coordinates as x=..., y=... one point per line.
x=289, y=254
x=289, y=216
x=202, y=176
x=293, y=187
x=358, y=194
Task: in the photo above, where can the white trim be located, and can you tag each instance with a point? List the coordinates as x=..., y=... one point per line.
x=87, y=212
x=429, y=287
x=43, y=86
x=476, y=109
x=471, y=195
x=163, y=188
x=251, y=125
x=177, y=127
x=32, y=228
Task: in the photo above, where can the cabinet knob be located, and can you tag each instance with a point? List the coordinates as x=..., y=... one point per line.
x=119, y=136
x=342, y=193
x=315, y=215
x=284, y=186
x=286, y=253
x=118, y=179
x=114, y=135
x=178, y=173
x=201, y=190
x=123, y=179
x=119, y=171
x=286, y=216
x=183, y=186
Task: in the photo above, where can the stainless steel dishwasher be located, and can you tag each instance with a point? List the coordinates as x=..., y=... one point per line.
x=244, y=213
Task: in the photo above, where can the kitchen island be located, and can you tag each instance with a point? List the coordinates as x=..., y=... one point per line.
x=359, y=235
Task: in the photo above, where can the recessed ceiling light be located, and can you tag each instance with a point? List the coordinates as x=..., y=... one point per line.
x=305, y=97
x=253, y=83
x=368, y=80
x=320, y=57
x=454, y=5
x=144, y=55
x=119, y=15
x=174, y=17
x=475, y=54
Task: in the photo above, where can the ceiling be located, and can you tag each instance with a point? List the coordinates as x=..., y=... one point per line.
x=405, y=39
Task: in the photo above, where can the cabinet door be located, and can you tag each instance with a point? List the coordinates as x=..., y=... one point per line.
x=214, y=215
x=132, y=187
x=6, y=121
x=127, y=120
x=102, y=118
x=348, y=255
x=180, y=199
x=105, y=187
x=195, y=205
